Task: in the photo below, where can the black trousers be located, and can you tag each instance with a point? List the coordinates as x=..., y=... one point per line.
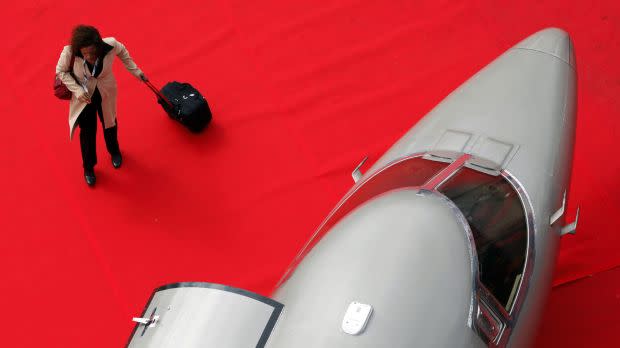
x=87, y=121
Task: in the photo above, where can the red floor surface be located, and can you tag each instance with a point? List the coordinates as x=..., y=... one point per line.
x=301, y=91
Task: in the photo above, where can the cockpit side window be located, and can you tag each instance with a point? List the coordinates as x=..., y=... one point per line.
x=497, y=220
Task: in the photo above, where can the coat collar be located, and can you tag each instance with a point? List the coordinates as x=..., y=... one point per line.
x=104, y=47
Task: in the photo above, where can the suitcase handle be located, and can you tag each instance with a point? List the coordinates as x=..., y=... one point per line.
x=158, y=93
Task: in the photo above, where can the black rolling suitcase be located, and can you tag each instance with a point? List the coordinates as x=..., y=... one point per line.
x=183, y=103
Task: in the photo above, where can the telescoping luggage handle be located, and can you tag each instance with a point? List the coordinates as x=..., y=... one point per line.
x=158, y=93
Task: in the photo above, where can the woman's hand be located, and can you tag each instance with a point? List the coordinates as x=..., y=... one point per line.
x=84, y=97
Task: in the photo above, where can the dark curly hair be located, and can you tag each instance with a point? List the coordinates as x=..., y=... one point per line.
x=84, y=36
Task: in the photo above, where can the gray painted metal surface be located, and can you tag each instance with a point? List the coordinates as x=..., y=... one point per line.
x=404, y=253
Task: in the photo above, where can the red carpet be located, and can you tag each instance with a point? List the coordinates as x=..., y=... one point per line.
x=301, y=92
x=583, y=313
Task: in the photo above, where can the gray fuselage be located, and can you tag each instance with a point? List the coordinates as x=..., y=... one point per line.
x=448, y=240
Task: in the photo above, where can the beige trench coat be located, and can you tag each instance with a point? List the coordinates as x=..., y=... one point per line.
x=105, y=82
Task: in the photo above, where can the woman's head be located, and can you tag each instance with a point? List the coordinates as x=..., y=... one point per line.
x=85, y=39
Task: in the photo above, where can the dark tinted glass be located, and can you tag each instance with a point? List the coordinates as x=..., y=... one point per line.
x=495, y=215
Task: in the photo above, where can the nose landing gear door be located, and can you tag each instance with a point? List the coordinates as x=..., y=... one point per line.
x=193, y=315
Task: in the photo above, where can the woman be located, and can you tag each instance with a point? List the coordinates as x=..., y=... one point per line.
x=93, y=85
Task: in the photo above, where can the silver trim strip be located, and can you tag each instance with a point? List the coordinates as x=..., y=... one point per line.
x=471, y=247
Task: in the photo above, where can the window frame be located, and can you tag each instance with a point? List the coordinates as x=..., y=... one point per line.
x=488, y=317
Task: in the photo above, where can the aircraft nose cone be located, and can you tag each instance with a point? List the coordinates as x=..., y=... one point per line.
x=552, y=41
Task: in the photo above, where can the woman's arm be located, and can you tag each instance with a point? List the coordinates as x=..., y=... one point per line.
x=123, y=55
x=63, y=71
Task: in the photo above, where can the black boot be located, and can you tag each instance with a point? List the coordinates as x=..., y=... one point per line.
x=89, y=176
x=117, y=160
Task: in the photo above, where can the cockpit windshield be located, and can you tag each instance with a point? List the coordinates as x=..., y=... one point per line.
x=490, y=204
x=497, y=220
